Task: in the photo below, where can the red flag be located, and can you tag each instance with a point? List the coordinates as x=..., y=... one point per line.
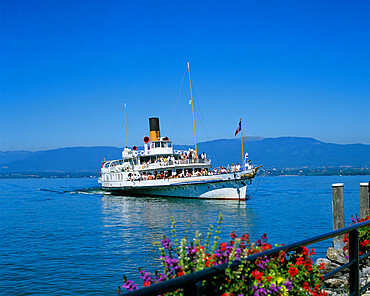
x=239, y=128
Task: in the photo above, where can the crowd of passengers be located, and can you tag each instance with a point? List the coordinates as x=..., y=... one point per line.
x=183, y=156
x=204, y=172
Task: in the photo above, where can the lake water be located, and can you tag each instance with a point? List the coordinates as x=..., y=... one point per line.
x=63, y=237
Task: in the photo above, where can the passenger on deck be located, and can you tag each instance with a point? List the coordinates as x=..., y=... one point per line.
x=237, y=168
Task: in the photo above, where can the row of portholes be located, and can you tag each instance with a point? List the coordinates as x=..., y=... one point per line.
x=114, y=177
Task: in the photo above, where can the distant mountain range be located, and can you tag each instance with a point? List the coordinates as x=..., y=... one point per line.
x=280, y=153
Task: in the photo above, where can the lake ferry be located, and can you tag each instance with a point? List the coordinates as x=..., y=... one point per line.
x=159, y=170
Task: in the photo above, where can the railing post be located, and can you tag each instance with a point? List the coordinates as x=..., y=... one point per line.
x=338, y=213
x=364, y=200
x=193, y=289
x=354, y=274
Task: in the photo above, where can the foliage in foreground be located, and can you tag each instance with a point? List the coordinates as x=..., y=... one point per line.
x=364, y=236
x=281, y=274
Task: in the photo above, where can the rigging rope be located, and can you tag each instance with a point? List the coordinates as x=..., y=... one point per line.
x=256, y=188
x=137, y=135
x=119, y=132
x=179, y=121
x=174, y=113
x=202, y=121
x=198, y=111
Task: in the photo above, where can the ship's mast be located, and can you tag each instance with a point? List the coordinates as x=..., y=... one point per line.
x=126, y=126
x=241, y=135
x=192, y=106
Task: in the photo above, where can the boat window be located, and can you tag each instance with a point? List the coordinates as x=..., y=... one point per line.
x=157, y=144
x=169, y=144
x=190, y=171
x=164, y=144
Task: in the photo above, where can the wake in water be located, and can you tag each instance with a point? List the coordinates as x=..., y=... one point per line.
x=91, y=190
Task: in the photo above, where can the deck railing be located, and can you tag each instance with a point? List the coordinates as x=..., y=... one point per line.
x=164, y=164
x=192, y=283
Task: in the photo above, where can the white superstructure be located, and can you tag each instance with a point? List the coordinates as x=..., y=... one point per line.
x=159, y=170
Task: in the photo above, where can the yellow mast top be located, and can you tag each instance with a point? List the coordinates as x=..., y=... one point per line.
x=192, y=106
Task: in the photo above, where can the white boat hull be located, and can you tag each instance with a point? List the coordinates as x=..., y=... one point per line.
x=223, y=186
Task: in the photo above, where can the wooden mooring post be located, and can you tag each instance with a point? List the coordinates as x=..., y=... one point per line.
x=338, y=214
x=364, y=199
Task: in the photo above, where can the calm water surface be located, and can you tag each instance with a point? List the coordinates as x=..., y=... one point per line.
x=63, y=237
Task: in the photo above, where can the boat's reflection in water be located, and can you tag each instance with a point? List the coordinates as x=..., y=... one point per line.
x=133, y=224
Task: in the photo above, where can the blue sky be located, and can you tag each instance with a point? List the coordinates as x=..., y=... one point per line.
x=288, y=68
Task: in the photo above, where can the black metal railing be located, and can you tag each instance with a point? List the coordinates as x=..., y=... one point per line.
x=192, y=283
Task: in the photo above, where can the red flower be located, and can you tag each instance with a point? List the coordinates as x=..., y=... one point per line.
x=282, y=256
x=322, y=266
x=233, y=235
x=364, y=243
x=305, y=251
x=245, y=237
x=306, y=286
x=300, y=261
x=257, y=275
x=293, y=271
x=146, y=284
x=223, y=246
